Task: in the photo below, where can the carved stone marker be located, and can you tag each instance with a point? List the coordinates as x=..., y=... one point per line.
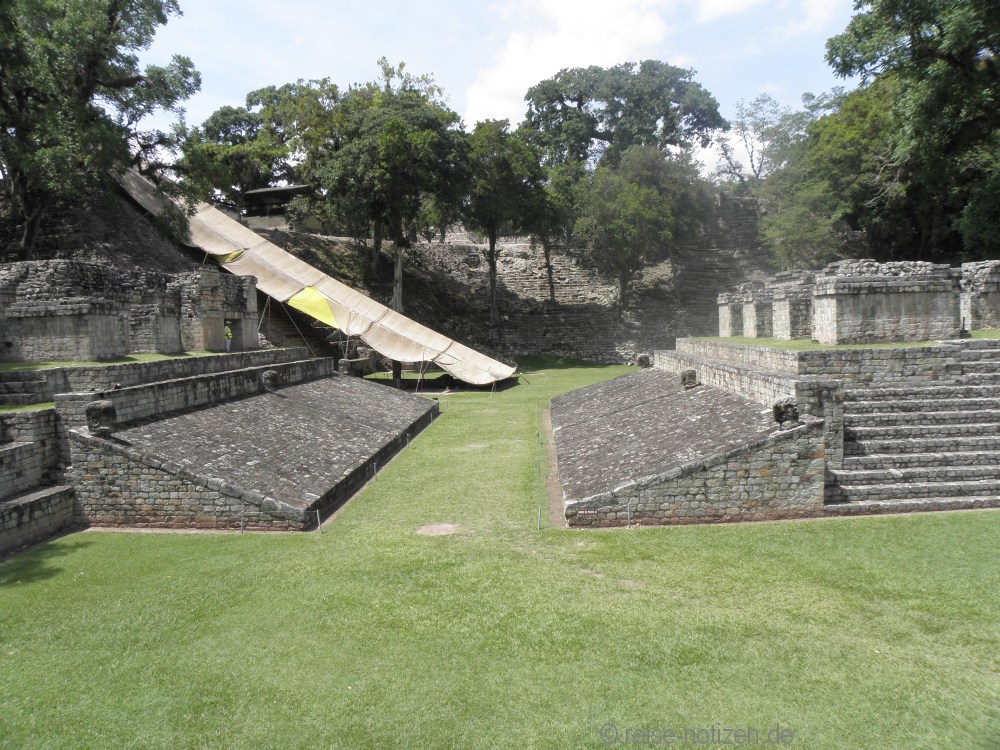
x=786, y=413
x=270, y=380
x=689, y=379
x=101, y=418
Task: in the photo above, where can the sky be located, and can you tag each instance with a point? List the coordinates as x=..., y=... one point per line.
x=487, y=54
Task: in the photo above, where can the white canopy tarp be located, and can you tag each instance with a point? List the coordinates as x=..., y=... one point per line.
x=285, y=278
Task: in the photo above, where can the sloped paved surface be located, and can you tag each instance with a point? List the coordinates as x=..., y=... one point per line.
x=645, y=424
x=293, y=445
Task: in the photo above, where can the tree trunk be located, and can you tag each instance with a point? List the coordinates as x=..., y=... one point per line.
x=376, y=247
x=32, y=221
x=491, y=257
x=397, y=280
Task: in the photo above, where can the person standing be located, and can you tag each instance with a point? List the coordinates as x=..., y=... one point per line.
x=228, y=335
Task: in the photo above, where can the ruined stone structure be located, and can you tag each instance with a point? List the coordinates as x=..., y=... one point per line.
x=274, y=441
x=877, y=430
x=65, y=310
x=865, y=302
x=570, y=306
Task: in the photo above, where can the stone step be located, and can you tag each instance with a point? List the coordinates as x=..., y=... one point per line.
x=931, y=392
x=964, y=443
x=979, y=378
x=917, y=505
x=34, y=515
x=14, y=376
x=21, y=386
x=905, y=460
x=922, y=430
x=920, y=474
x=922, y=405
x=20, y=399
x=980, y=366
x=929, y=418
x=913, y=490
x=979, y=355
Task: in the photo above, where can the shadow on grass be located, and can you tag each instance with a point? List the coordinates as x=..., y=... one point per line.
x=36, y=563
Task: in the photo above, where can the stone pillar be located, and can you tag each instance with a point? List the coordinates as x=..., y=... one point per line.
x=758, y=316
x=792, y=314
x=980, y=302
x=730, y=315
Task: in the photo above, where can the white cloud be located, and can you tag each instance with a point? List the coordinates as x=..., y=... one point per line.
x=815, y=16
x=711, y=10
x=557, y=34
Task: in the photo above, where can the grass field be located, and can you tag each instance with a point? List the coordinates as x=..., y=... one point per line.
x=847, y=633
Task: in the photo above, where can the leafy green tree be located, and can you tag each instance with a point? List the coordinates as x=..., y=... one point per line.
x=232, y=153
x=505, y=188
x=942, y=58
x=396, y=144
x=628, y=214
x=585, y=114
x=73, y=96
x=764, y=135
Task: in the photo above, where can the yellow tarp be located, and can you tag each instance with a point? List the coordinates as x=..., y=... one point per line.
x=312, y=302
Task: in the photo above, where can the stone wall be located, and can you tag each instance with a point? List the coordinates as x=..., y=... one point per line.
x=571, y=307
x=161, y=398
x=124, y=375
x=758, y=379
x=34, y=516
x=118, y=486
x=980, y=304
x=67, y=310
x=781, y=476
x=29, y=450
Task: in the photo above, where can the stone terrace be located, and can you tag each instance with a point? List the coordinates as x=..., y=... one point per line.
x=646, y=424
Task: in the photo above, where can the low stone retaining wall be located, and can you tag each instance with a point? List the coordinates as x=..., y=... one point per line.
x=29, y=450
x=35, y=516
x=781, y=476
x=855, y=365
x=119, y=486
x=157, y=399
x=103, y=377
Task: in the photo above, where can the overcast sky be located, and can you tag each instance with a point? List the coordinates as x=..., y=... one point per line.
x=487, y=54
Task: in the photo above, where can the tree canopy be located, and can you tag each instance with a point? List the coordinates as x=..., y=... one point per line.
x=585, y=114
x=73, y=96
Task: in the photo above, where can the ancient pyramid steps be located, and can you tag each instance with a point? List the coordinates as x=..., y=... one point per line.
x=21, y=388
x=922, y=447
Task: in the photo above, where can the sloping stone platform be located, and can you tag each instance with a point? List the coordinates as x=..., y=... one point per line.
x=646, y=424
x=267, y=461
x=642, y=449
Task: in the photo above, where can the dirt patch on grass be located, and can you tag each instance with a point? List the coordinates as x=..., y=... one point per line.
x=438, y=529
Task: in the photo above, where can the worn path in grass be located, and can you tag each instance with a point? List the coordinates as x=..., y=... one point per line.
x=848, y=633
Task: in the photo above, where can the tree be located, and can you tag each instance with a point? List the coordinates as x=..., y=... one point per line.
x=506, y=185
x=765, y=132
x=627, y=216
x=942, y=58
x=73, y=96
x=585, y=114
x=232, y=152
x=396, y=144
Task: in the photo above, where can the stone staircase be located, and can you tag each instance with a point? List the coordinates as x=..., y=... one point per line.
x=21, y=388
x=916, y=445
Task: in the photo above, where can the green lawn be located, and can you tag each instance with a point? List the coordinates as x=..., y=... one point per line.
x=849, y=633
